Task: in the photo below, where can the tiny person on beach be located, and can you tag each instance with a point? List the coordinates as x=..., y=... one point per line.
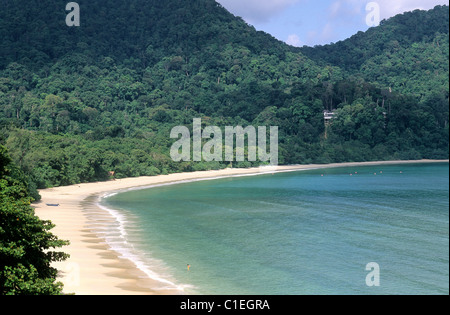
x=188, y=267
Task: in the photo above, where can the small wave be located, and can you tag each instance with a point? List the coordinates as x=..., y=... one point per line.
x=116, y=238
x=110, y=195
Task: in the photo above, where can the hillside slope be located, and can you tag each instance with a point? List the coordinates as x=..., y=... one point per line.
x=78, y=102
x=408, y=52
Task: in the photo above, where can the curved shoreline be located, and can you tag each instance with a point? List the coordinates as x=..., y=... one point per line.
x=94, y=268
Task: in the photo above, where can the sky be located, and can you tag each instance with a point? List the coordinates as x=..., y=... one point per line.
x=320, y=22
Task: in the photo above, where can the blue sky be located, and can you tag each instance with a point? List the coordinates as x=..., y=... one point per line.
x=319, y=22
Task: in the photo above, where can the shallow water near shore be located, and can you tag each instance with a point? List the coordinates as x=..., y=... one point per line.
x=307, y=232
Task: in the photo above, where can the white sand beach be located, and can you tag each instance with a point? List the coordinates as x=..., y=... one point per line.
x=93, y=267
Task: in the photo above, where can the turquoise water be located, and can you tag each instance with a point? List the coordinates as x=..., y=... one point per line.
x=310, y=232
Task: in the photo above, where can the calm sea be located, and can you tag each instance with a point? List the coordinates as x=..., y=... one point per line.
x=309, y=232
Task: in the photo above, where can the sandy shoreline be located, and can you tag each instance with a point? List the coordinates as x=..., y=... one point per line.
x=94, y=268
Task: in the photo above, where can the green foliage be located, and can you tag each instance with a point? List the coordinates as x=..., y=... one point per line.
x=76, y=103
x=401, y=31
x=25, y=240
x=419, y=70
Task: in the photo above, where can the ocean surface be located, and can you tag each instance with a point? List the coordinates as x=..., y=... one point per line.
x=295, y=233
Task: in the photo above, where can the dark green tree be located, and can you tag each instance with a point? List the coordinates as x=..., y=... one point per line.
x=25, y=241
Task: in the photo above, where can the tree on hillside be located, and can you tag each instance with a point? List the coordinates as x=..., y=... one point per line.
x=25, y=240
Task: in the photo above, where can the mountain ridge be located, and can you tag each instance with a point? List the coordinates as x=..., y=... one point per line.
x=78, y=102
x=404, y=29
x=109, y=25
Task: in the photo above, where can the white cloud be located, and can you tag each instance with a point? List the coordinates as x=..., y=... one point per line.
x=256, y=11
x=388, y=8
x=327, y=32
x=391, y=8
x=325, y=35
x=294, y=40
x=344, y=9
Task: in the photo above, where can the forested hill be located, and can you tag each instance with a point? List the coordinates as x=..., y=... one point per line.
x=78, y=102
x=401, y=31
x=408, y=52
x=34, y=32
x=197, y=45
